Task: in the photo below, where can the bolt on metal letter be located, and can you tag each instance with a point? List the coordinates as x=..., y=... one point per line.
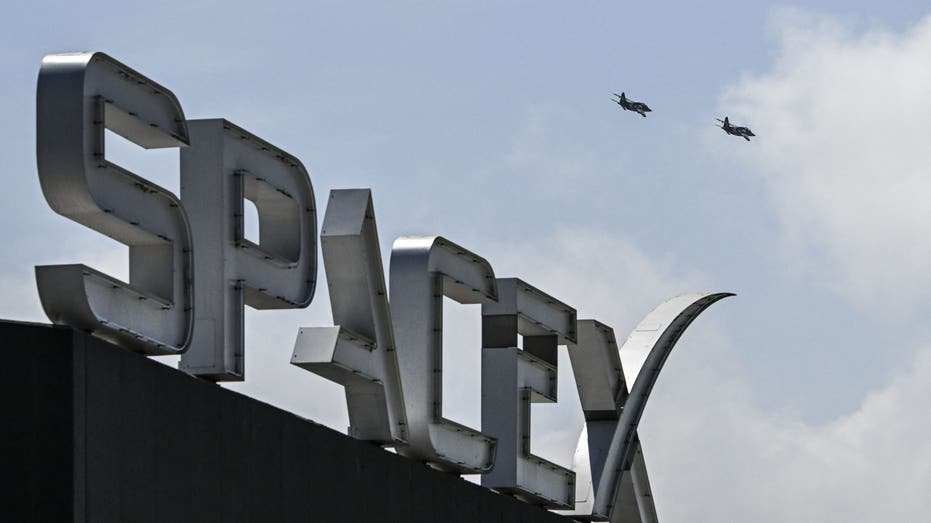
x=359, y=352
x=224, y=165
x=79, y=96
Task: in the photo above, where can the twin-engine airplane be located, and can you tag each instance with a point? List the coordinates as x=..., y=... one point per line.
x=743, y=132
x=630, y=105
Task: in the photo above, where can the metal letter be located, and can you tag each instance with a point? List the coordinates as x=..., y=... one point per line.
x=224, y=165
x=359, y=353
x=599, y=377
x=79, y=96
x=513, y=378
x=423, y=270
x=613, y=482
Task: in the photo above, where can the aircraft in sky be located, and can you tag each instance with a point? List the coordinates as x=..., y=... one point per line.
x=630, y=105
x=743, y=132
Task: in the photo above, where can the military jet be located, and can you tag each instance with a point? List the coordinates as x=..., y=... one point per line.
x=743, y=132
x=630, y=105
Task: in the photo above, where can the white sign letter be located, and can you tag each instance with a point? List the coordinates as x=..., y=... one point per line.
x=513, y=378
x=423, y=270
x=359, y=352
x=223, y=166
x=79, y=96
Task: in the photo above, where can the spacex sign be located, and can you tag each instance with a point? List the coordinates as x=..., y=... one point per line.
x=192, y=271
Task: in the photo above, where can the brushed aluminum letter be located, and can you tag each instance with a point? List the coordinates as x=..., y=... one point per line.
x=599, y=378
x=224, y=165
x=359, y=353
x=513, y=378
x=423, y=270
x=80, y=95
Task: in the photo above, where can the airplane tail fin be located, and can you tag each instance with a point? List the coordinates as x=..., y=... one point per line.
x=726, y=121
x=623, y=97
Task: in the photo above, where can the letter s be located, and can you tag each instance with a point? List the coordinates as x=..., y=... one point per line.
x=79, y=96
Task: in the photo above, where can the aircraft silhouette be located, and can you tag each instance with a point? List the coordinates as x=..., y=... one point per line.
x=630, y=105
x=743, y=132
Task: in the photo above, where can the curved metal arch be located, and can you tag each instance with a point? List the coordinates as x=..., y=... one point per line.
x=661, y=329
x=424, y=270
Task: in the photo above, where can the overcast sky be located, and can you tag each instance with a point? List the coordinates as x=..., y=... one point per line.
x=805, y=398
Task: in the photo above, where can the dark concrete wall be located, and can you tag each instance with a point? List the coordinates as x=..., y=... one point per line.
x=95, y=433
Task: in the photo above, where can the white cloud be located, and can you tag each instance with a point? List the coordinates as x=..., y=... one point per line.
x=714, y=456
x=842, y=122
